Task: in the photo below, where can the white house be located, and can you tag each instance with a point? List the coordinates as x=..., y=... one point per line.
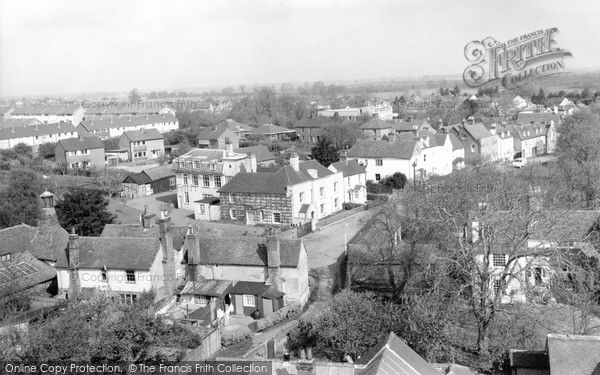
x=354, y=181
x=114, y=126
x=50, y=114
x=384, y=158
x=35, y=135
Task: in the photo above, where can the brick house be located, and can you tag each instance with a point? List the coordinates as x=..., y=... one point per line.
x=82, y=152
x=144, y=144
x=477, y=140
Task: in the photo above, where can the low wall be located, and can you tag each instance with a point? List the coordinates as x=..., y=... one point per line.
x=210, y=345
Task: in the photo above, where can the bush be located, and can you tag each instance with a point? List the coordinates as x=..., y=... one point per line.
x=229, y=338
x=349, y=205
x=278, y=316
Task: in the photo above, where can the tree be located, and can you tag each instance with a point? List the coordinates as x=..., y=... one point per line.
x=456, y=90
x=112, y=143
x=85, y=210
x=110, y=181
x=23, y=149
x=46, y=150
x=20, y=203
x=342, y=135
x=325, y=152
x=134, y=96
x=395, y=181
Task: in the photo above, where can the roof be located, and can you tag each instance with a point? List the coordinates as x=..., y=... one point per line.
x=275, y=183
x=521, y=131
x=573, y=354
x=209, y=200
x=304, y=208
x=45, y=242
x=262, y=153
x=44, y=110
x=214, y=132
x=143, y=135
x=238, y=126
x=349, y=167
x=137, y=230
x=456, y=143
x=16, y=122
x=213, y=288
x=115, y=253
x=268, y=129
x=109, y=122
x=37, y=130
x=16, y=239
x=383, y=149
x=158, y=173
x=394, y=357
x=478, y=131
x=525, y=118
x=249, y=287
x=204, y=154
x=81, y=143
x=247, y=251
x=375, y=124
x=23, y=271
x=137, y=178
x=529, y=359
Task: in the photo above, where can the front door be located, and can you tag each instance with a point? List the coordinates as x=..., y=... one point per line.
x=250, y=217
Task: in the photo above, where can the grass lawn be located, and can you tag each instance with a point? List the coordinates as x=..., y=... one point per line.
x=125, y=214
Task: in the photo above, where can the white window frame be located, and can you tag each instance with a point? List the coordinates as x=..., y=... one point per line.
x=205, y=180
x=322, y=208
x=195, y=179
x=498, y=260
x=248, y=300
x=321, y=191
x=217, y=181
x=186, y=197
x=130, y=274
x=378, y=162
x=277, y=214
x=301, y=197
x=185, y=179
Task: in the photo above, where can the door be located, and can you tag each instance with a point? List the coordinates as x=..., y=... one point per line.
x=250, y=217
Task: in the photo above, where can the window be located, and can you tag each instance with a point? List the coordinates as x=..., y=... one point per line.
x=472, y=148
x=200, y=300
x=5, y=257
x=206, y=180
x=463, y=136
x=301, y=197
x=276, y=217
x=424, y=157
x=185, y=179
x=379, y=162
x=202, y=209
x=335, y=202
x=217, y=181
x=249, y=300
x=182, y=164
x=172, y=181
x=496, y=286
x=498, y=260
x=335, y=186
x=322, y=208
x=377, y=177
x=195, y=179
x=233, y=213
x=130, y=276
x=261, y=215
x=213, y=166
x=321, y=191
x=186, y=197
x=197, y=164
x=128, y=298
x=103, y=276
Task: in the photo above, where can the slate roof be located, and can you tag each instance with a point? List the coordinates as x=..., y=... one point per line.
x=82, y=143
x=44, y=242
x=383, y=149
x=262, y=153
x=137, y=230
x=249, y=287
x=122, y=253
x=16, y=239
x=158, y=173
x=143, y=135
x=213, y=132
x=137, y=178
x=376, y=124
x=349, y=167
x=521, y=130
x=109, y=122
x=39, y=130
x=23, y=271
x=274, y=183
x=247, y=251
x=478, y=131
x=268, y=129
x=47, y=110
x=526, y=118
x=213, y=288
x=17, y=122
x=456, y=143
x=394, y=357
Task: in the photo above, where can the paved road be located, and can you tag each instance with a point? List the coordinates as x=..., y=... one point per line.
x=326, y=245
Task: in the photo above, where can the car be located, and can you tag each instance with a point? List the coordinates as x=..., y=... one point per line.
x=519, y=162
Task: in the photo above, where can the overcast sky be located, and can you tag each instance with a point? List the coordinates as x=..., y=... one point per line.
x=83, y=46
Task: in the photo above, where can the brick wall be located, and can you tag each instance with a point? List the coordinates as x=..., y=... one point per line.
x=267, y=203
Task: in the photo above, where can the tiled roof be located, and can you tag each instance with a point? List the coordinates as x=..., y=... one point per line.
x=143, y=135
x=125, y=121
x=138, y=231
x=375, y=124
x=137, y=178
x=456, y=143
x=383, y=149
x=37, y=130
x=16, y=122
x=526, y=118
x=268, y=129
x=213, y=288
x=478, y=131
x=349, y=167
x=16, y=239
x=23, y=271
x=317, y=122
x=262, y=153
x=213, y=132
x=247, y=251
x=45, y=242
x=44, y=110
x=394, y=357
x=121, y=253
x=81, y=143
x=249, y=287
x=440, y=139
x=521, y=130
x=158, y=173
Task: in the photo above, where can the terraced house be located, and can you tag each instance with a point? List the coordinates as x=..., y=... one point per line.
x=200, y=173
x=82, y=152
x=113, y=126
x=142, y=144
x=35, y=135
x=50, y=114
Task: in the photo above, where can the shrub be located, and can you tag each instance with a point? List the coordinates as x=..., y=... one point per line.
x=229, y=338
x=349, y=205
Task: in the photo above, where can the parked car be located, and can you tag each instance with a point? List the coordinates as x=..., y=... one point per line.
x=519, y=162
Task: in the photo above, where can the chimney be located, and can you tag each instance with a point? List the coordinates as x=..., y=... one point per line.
x=463, y=122
x=415, y=130
x=192, y=244
x=472, y=120
x=250, y=163
x=147, y=218
x=166, y=241
x=295, y=162
x=48, y=212
x=274, y=260
x=229, y=148
x=73, y=262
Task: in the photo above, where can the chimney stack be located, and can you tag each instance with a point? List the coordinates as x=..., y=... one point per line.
x=166, y=241
x=229, y=147
x=415, y=129
x=147, y=218
x=274, y=260
x=295, y=162
x=192, y=244
x=48, y=212
x=73, y=261
x=250, y=162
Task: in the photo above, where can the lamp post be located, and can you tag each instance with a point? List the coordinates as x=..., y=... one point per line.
x=414, y=165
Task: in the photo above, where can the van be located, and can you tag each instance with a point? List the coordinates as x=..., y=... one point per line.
x=519, y=162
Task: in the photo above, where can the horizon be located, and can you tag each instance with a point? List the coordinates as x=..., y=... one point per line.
x=77, y=48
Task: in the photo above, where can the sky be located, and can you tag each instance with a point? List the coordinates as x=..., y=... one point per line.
x=80, y=46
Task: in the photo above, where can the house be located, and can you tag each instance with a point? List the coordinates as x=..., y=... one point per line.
x=50, y=114
x=200, y=173
x=458, y=152
x=264, y=157
x=120, y=109
x=531, y=139
x=114, y=126
x=297, y=193
x=36, y=134
x=272, y=132
x=5, y=112
x=564, y=354
x=7, y=123
x=275, y=270
x=21, y=271
x=354, y=182
x=380, y=111
x=376, y=128
x=399, y=126
x=217, y=137
x=384, y=158
x=544, y=118
x=241, y=130
x=82, y=152
x=148, y=182
x=123, y=266
x=506, y=142
x=142, y=144
x=478, y=141
x=309, y=130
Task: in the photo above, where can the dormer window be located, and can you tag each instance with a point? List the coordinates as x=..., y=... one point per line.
x=181, y=164
x=213, y=166
x=463, y=136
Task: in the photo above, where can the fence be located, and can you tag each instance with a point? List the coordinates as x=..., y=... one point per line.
x=344, y=214
x=211, y=343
